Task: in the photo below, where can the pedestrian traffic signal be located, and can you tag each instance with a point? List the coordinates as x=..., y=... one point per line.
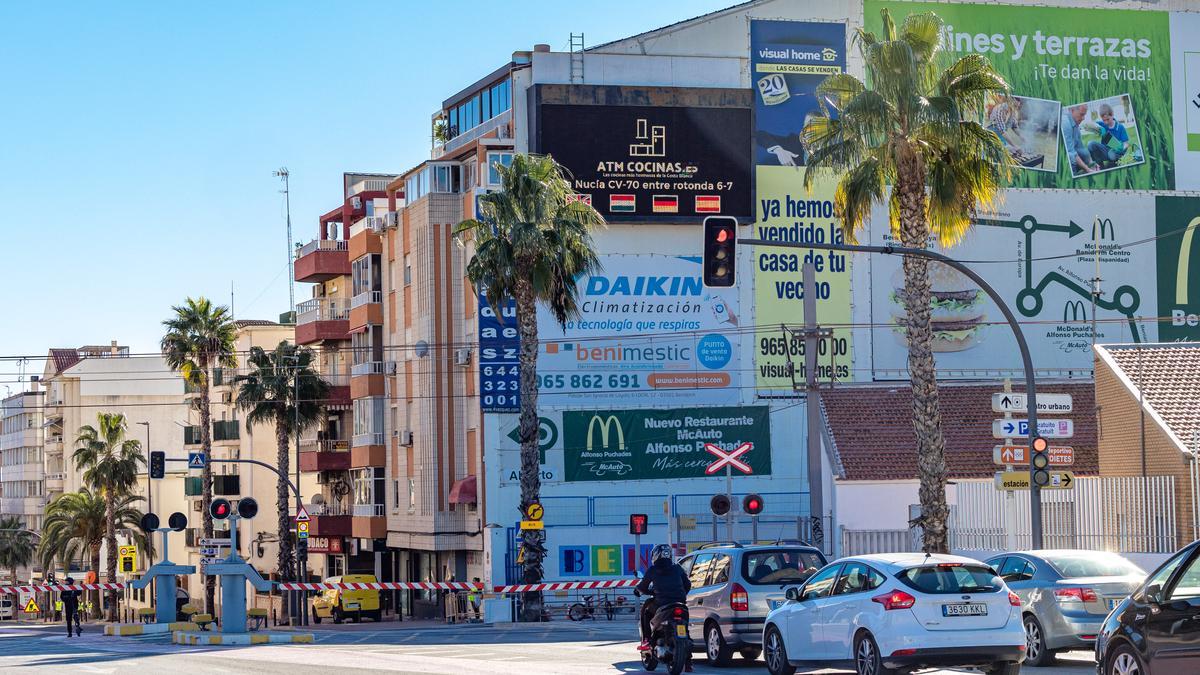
x=219, y=509
x=752, y=504
x=177, y=522
x=639, y=523
x=247, y=507
x=149, y=522
x=720, y=251
x=158, y=463
x=719, y=505
x=1039, y=461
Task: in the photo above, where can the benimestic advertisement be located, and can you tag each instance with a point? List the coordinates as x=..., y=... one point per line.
x=1091, y=88
x=646, y=163
x=788, y=59
x=1178, y=219
x=646, y=324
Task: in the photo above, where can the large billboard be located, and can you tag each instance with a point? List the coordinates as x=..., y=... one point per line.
x=652, y=163
x=1185, y=68
x=1091, y=104
x=788, y=60
x=646, y=325
x=499, y=362
x=1178, y=219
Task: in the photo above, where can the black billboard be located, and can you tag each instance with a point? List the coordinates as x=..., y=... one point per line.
x=653, y=163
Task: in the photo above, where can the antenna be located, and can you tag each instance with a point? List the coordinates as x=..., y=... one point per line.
x=1096, y=227
x=231, y=308
x=282, y=174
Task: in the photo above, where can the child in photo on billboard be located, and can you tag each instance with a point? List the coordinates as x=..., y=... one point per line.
x=1114, y=139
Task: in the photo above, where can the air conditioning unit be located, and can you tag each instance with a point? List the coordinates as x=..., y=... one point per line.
x=406, y=438
x=356, y=202
x=375, y=223
x=322, y=478
x=462, y=357
x=391, y=219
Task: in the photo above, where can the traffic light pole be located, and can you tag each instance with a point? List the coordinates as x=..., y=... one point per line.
x=1035, y=496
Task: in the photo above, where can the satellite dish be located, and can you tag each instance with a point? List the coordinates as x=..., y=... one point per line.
x=421, y=349
x=318, y=499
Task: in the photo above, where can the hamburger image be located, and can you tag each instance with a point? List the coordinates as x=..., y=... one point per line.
x=956, y=309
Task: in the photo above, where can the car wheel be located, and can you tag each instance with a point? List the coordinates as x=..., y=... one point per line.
x=777, y=659
x=750, y=653
x=867, y=659
x=1124, y=661
x=1036, y=653
x=337, y=616
x=715, y=648
x=1004, y=669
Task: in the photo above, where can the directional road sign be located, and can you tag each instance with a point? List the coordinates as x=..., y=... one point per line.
x=1020, y=428
x=1019, y=480
x=209, y=552
x=196, y=460
x=1019, y=454
x=1049, y=404
x=215, y=542
x=728, y=458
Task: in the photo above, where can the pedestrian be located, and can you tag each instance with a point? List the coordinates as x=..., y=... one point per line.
x=70, y=604
x=473, y=597
x=58, y=607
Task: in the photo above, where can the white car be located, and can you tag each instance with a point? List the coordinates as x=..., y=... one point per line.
x=897, y=612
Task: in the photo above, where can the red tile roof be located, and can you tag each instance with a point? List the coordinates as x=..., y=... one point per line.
x=871, y=427
x=1167, y=375
x=64, y=358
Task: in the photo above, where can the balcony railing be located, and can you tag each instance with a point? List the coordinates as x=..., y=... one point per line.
x=191, y=435
x=361, y=440
x=227, y=430
x=322, y=309
x=369, y=509
x=366, y=297
x=372, y=223
x=51, y=477
x=367, y=368
x=369, y=185
x=324, y=445
x=322, y=245
x=471, y=134
x=330, y=508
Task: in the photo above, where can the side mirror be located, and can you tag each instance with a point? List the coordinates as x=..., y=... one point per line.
x=792, y=593
x=1154, y=594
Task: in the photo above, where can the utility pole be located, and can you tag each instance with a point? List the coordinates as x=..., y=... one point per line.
x=812, y=345
x=283, y=174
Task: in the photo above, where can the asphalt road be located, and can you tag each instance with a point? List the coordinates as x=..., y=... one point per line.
x=578, y=649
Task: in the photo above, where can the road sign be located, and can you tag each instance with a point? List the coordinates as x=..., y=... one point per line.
x=535, y=511
x=1019, y=480
x=30, y=606
x=1020, y=428
x=1049, y=404
x=532, y=525
x=210, y=552
x=1019, y=454
x=196, y=460
x=728, y=458
x=215, y=542
x=302, y=516
x=302, y=529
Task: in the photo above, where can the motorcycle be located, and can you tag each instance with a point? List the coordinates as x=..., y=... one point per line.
x=669, y=641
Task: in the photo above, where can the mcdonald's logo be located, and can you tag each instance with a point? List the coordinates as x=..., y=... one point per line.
x=1106, y=229
x=1185, y=255
x=605, y=426
x=1076, y=310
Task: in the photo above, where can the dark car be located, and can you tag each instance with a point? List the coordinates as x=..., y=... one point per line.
x=1156, y=630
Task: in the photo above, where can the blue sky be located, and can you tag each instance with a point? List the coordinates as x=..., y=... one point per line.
x=138, y=139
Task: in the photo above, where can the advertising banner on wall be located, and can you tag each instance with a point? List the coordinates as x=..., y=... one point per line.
x=659, y=444
x=1040, y=252
x=788, y=59
x=646, y=324
x=652, y=163
x=1178, y=219
x=1091, y=104
x=499, y=365
x=1185, y=70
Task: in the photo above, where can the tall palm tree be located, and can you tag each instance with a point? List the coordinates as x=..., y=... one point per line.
x=200, y=336
x=76, y=524
x=109, y=462
x=16, y=545
x=533, y=239
x=283, y=388
x=918, y=128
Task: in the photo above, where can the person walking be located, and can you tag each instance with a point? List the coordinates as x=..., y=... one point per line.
x=70, y=605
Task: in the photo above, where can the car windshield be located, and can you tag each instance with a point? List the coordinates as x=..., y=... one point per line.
x=1078, y=565
x=951, y=578
x=780, y=566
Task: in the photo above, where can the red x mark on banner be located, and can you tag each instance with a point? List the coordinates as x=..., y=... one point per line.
x=730, y=458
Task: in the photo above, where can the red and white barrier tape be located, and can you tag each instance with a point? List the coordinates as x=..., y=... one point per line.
x=62, y=587
x=384, y=586
x=567, y=586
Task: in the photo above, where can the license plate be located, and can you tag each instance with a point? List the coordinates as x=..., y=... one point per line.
x=965, y=609
x=1113, y=602
x=351, y=605
x=681, y=630
x=774, y=603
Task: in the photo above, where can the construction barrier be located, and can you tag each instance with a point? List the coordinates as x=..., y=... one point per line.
x=459, y=586
x=62, y=587
x=567, y=586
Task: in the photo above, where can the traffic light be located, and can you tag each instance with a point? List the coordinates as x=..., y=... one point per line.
x=302, y=547
x=752, y=504
x=219, y=509
x=639, y=523
x=1039, y=461
x=158, y=463
x=149, y=522
x=177, y=522
x=127, y=564
x=720, y=251
x=247, y=507
x=719, y=505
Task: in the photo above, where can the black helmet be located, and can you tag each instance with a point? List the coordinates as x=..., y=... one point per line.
x=662, y=552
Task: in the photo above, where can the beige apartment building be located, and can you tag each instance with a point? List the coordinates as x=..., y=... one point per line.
x=22, y=474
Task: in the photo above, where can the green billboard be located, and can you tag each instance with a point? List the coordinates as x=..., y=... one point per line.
x=1091, y=88
x=1177, y=219
x=663, y=443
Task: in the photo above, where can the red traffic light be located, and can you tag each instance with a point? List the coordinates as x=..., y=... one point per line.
x=752, y=504
x=720, y=256
x=639, y=523
x=1040, y=444
x=219, y=509
x=722, y=235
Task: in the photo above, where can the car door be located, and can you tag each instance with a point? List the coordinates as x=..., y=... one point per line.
x=698, y=576
x=805, y=641
x=1173, y=619
x=851, y=597
x=1017, y=573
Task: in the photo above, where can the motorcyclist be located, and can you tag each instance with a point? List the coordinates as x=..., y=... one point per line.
x=666, y=581
x=70, y=602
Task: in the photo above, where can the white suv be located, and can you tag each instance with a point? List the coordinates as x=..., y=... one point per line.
x=897, y=612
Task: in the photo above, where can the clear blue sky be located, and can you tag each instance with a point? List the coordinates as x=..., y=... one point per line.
x=137, y=139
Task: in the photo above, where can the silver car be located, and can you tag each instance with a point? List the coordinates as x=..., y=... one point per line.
x=734, y=587
x=1065, y=595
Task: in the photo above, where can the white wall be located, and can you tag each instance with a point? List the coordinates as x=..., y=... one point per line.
x=879, y=505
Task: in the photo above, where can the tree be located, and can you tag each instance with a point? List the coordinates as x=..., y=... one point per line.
x=533, y=239
x=200, y=336
x=283, y=389
x=76, y=524
x=16, y=545
x=917, y=127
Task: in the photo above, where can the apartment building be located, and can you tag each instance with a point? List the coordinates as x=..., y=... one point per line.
x=22, y=473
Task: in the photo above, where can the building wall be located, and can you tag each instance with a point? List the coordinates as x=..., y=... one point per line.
x=22, y=471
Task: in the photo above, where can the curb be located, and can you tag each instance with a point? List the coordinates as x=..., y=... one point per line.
x=120, y=629
x=214, y=638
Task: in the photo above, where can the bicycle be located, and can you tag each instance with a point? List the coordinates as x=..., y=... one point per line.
x=587, y=609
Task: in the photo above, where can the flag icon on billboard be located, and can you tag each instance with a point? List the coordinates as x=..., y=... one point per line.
x=624, y=203
x=585, y=198
x=708, y=204
x=666, y=203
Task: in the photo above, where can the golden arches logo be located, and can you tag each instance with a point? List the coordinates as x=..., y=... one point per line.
x=1076, y=309
x=605, y=426
x=1185, y=255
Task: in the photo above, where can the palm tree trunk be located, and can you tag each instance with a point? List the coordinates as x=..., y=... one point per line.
x=110, y=540
x=210, y=582
x=927, y=419
x=95, y=551
x=534, y=540
x=284, y=563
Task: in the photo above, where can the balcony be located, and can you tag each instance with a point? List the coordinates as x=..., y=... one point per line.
x=53, y=445
x=324, y=454
x=322, y=260
x=366, y=309
x=365, y=239
x=334, y=522
x=339, y=392
x=224, y=377
x=322, y=319
x=369, y=521
x=367, y=450
x=226, y=432
x=367, y=297
x=54, y=482
x=191, y=435
x=366, y=379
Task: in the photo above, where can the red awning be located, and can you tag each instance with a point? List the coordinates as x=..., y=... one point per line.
x=463, y=491
x=361, y=329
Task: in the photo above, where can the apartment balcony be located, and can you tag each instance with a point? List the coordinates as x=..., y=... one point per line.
x=324, y=454
x=331, y=525
x=223, y=377
x=223, y=431
x=53, y=445
x=369, y=521
x=367, y=450
x=366, y=379
x=366, y=309
x=364, y=237
x=54, y=482
x=322, y=319
x=322, y=260
x=339, y=392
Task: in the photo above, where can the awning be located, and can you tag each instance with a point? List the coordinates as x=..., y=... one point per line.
x=361, y=329
x=463, y=491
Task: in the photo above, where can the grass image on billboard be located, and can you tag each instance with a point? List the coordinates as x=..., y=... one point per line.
x=1071, y=56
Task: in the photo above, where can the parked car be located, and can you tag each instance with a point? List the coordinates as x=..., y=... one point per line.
x=733, y=589
x=898, y=612
x=340, y=604
x=1156, y=630
x=1065, y=595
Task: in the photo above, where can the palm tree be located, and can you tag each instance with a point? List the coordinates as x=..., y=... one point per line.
x=200, y=336
x=109, y=462
x=917, y=128
x=16, y=545
x=533, y=239
x=76, y=524
x=283, y=388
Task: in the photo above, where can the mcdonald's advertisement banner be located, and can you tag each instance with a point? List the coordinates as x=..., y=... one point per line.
x=1178, y=268
x=617, y=445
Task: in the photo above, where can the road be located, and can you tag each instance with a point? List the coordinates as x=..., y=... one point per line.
x=578, y=649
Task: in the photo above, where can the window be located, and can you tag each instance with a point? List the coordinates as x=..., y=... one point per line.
x=951, y=578
x=783, y=566
x=686, y=564
x=494, y=158
x=1092, y=565
x=1016, y=569
x=412, y=495
x=1188, y=586
x=699, y=573
x=857, y=577
x=821, y=585
x=407, y=270
x=720, y=569
x=395, y=494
